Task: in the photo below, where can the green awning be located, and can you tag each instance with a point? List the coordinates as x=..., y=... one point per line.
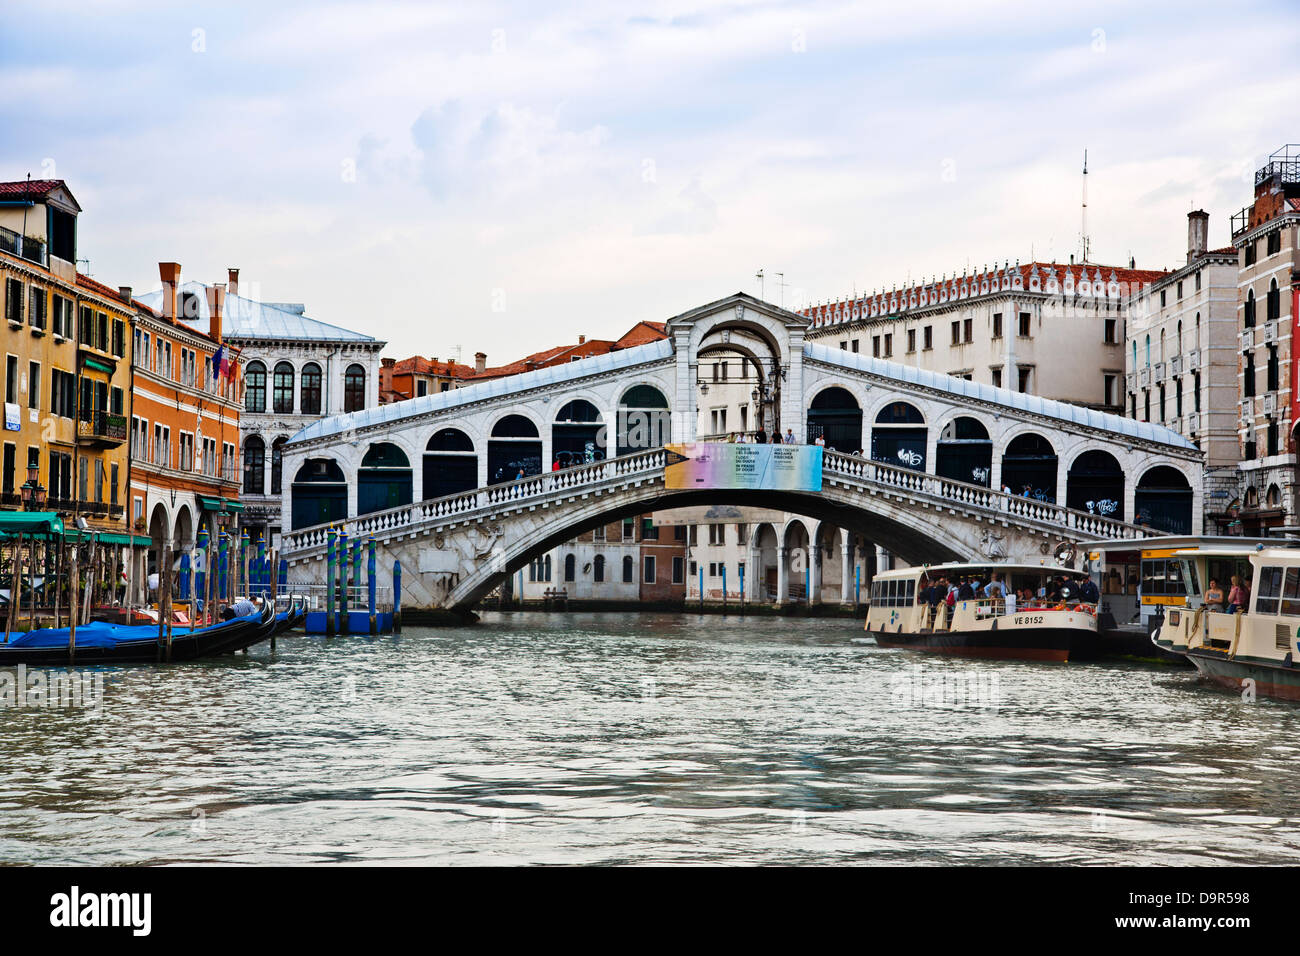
x=107, y=537
x=230, y=505
x=219, y=504
x=30, y=522
x=98, y=366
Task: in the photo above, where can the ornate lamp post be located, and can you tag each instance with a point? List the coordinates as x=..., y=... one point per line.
x=32, y=491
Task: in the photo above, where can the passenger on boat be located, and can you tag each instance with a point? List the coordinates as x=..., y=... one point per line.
x=964, y=591
x=1214, y=596
x=1237, y=597
x=1086, y=590
x=239, y=609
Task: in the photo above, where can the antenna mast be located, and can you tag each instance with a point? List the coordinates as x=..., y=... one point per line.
x=759, y=276
x=1084, y=230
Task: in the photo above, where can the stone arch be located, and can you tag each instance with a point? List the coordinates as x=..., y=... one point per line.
x=835, y=414
x=1095, y=483
x=384, y=478
x=898, y=435
x=183, y=529
x=319, y=493
x=1030, y=462
x=964, y=449
x=643, y=418
x=1163, y=500
x=577, y=433
x=515, y=447
x=159, y=534
x=450, y=464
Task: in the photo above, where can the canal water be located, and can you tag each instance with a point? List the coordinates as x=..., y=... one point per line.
x=630, y=739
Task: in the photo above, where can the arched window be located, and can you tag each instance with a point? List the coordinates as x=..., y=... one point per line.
x=570, y=568
x=643, y=420
x=1029, y=467
x=546, y=568
x=450, y=464
x=1148, y=351
x=598, y=569
x=1135, y=355
x=1095, y=484
x=310, y=389
x=835, y=416
x=628, y=568
x=354, y=389
x=282, y=389
x=577, y=436
x=277, y=464
x=1248, y=320
x=1178, y=343
x=898, y=437
x=514, y=450
x=1163, y=501
x=319, y=493
x=1274, y=303
x=254, y=466
x=255, y=387
x=965, y=452
x=384, y=479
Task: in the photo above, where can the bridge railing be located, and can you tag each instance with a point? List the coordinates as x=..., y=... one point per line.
x=380, y=523
x=1031, y=509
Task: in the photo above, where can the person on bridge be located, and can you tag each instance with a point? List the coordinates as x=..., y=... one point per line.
x=789, y=436
x=760, y=438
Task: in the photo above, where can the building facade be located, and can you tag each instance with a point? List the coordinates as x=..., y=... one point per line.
x=67, y=372
x=296, y=370
x=1268, y=283
x=1045, y=328
x=184, y=430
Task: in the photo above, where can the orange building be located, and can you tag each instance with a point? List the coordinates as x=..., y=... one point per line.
x=184, y=430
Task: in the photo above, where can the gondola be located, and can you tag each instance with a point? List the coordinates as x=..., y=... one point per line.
x=285, y=621
x=99, y=643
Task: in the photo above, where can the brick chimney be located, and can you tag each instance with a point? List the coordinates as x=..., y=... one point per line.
x=386, y=375
x=480, y=361
x=232, y=281
x=216, y=304
x=124, y=293
x=170, y=273
x=1198, y=228
x=582, y=340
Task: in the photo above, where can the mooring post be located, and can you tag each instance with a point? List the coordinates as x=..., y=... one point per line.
x=223, y=569
x=356, y=571
x=73, y=606
x=701, y=570
x=200, y=572
x=343, y=582
x=397, y=597
x=724, y=587
x=742, y=589
x=263, y=581
x=370, y=580
x=329, y=582
x=807, y=585
x=857, y=587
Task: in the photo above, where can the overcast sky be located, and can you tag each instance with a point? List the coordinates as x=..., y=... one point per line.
x=505, y=176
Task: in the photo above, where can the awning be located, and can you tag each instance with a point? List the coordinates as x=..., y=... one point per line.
x=223, y=505
x=98, y=366
x=30, y=522
x=107, y=537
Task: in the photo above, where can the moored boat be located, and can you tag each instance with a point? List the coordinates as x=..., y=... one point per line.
x=1050, y=624
x=1251, y=648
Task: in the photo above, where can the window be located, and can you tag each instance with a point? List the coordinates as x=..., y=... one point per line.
x=997, y=325
x=1025, y=329
x=1163, y=294
x=929, y=337
x=187, y=449
x=889, y=345
x=717, y=534
x=311, y=389
x=679, y=571
x=875, y=346
x=119, y=338
x=1178, y=397
x=1110, y=389
x=421, y=388
x=1273, y=377
x=1179, y=290
x=997, y=377
x=1248, y=376
x=649, y=574
x=741, y=532
x=648, y=530
x=1248, y=317
x=1273, y=304
x=1162, y=404
x=598, y=569
x=1196, y=391
x=112, y=484
x=1274, y=243
x=1112, y=333
x=37, y=311
x=1270, y=590
x=277, y=464
x=33, y=384
x=282, y=389
x=11, y=379
x=627, y=569
x=101, y=332
x=570, y=568
x=62, y=316
x=254, y=386
x=1024, y=380
x=1249, y=251
x=10, y=452
x=254, y=466
x=1272, y=436
x=956, y=333
x=14, y=300
x=1198, y=280
x=911, y=340
x=354, y=389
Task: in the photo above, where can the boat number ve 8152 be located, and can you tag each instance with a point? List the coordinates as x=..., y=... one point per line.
x=1029, y=619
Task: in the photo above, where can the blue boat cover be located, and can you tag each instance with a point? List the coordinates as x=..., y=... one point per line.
x=101, y=634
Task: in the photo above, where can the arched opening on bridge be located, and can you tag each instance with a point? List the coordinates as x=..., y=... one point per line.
x=320, y=493
x=1029, y=467
x=828, y=582
x=1164, y=501
x=898, y=437
x=514, y=450
x=643, y=420
x=836, y=416
x=798, y=562
x=765, y=563
x=965, y=452
x=384, y=479
x=1096, y=485
x=450, y=464
x=578, y=434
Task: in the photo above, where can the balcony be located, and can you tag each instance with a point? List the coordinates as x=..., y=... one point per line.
x=1240, y=221
x=1176, y=365
x=1193, y=360
x=103, y=429
x=1130, y=381
x=22, y=246
x=1144, y=377
x=1248, y=410
x=1247, y=338
x=1193, y=424
x=1270, y=403
x=1159, y=374
x=1270, y=332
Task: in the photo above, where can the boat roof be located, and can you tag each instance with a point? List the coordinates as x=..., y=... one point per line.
x=957, y=567
x=1193, y=541
x=1243, y=552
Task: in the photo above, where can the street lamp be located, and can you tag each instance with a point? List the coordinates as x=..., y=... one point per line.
x=32, y=491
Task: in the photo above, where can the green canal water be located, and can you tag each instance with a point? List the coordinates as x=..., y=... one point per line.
x=628, y=739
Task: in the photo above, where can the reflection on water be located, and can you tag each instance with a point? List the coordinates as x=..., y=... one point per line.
x=593, y=738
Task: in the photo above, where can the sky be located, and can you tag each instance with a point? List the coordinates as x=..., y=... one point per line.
x=503, y=177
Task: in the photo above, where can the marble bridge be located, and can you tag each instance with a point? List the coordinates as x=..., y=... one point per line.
x=916, y=462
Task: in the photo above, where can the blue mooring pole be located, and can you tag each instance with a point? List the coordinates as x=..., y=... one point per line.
x=724, y=587
x=397, y=597
x=701, y=570
x=343, y=582
x=370, y=580
x=263, y=583
x=200, y=575
x=742, y=588
x=857, y=585
x=329, y=581
x=356, y=571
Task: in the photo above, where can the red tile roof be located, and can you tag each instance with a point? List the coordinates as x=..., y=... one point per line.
x=642, y=334
x=419, y=365
x=898, y=300
x=35, y=187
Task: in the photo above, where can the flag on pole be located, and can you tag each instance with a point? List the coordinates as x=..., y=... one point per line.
x=217, y=361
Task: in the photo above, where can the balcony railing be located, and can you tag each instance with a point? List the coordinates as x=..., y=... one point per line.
x=22, y=246
x=1176, y=365
x=103, y=427
x=1158, y=375
x=1240, y=221
x=1270, y=403
x=1144, y=376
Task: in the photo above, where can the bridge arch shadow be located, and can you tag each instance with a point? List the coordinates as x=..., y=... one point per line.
x=914, y=535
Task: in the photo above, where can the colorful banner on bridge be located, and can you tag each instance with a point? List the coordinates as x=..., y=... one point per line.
x=744, y=466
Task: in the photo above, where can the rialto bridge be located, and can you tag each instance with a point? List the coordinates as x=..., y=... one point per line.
x=467, y=486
